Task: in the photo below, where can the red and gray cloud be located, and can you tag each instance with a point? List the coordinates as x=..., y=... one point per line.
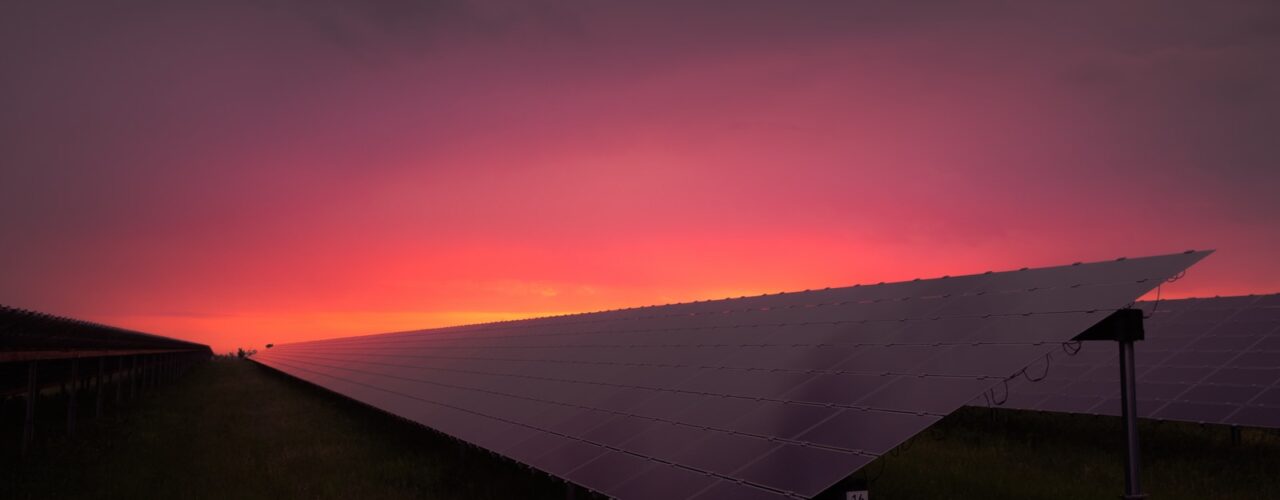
x=244, y=172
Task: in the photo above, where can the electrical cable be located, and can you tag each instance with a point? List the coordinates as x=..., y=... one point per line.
x=871, y=480
x=1048, y=358
x=992, y=392
x=1156, y=305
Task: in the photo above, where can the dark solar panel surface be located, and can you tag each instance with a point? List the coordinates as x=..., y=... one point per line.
x=30, y=331
x=1204, y=360
x=770, y=396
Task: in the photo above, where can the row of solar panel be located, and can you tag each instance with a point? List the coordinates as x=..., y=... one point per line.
x=668, y=458
x=1005, y=293
x=31, y=332
x=782, y=396
x=1204, y=360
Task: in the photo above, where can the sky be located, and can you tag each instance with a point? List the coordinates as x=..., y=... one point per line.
x=240, y=172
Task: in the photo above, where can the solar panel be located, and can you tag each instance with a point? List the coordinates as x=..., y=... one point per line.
x=1211, y=361
x=771, y=396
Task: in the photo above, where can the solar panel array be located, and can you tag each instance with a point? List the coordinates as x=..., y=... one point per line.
x=762, y=397
x=23, y=331
x=1204, y=360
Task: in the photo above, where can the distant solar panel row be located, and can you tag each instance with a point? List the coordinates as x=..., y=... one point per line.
x=54, y=341
x=759, y=397
x=23, y=331
x=1204, y=360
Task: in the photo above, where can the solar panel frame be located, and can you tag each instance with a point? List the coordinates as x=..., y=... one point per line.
x=698, y=381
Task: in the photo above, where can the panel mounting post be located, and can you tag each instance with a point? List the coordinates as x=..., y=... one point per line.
x=102, y=370
x=29, y=423
x=1125, y=326
x=1129, y=410
x=117, y=380
x=71, y=396
x=133, y=377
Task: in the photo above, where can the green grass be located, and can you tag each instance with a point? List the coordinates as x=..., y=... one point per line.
x=232, y=429
x=978, y=453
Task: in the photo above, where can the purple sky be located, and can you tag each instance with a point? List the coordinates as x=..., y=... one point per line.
x=237, y=172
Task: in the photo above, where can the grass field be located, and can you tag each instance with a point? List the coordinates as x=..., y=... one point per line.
x=232, y=429
x=979, y=453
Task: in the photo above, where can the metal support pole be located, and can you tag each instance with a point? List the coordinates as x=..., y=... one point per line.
x=133, y=378
x=29, y=427
x=1125, y=326
x=71, y=397
x=115, y=379
x=101, y=371
x=1129, y=410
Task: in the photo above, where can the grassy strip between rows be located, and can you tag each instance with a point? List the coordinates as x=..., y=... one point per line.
x=232, y=429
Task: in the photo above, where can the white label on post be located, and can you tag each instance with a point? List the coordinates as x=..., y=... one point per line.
x=856, y=495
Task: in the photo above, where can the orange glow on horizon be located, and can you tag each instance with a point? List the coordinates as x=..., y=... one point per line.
x=255, y=328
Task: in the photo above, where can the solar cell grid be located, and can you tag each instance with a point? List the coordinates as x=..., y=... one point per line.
x=609, y=469
x=771, y=395
x=1213, y=360
x=664, y=481
x=736, y=490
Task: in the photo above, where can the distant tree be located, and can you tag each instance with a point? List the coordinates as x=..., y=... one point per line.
x=240, y=353
x=270, y=346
